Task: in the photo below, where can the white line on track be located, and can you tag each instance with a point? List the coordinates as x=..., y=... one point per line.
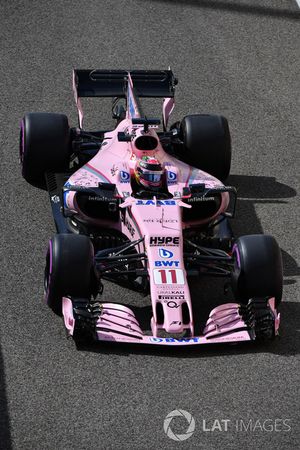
x=298, y=3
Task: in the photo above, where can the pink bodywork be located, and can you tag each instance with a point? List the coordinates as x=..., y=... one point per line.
x=151, y=220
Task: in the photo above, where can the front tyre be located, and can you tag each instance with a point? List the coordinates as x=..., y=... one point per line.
x=257, y=268
x=69, y=269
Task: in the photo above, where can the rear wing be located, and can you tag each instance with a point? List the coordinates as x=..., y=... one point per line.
x=113, y=83
x=118, y=83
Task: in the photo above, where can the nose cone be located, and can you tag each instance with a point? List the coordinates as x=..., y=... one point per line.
x=174, y=327
x=173, y=320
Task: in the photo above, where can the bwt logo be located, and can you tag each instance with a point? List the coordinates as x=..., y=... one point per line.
x=166, y=263
x=157, y=202
x=124, y=176
x=163, y=253
x=172, y=177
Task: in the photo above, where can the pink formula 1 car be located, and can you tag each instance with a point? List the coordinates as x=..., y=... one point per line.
x=145, y=207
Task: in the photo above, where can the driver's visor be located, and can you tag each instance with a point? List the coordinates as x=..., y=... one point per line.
x=153, y=177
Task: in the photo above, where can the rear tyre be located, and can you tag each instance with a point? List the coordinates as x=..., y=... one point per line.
x=69, y=269
x=257, y=269
x=45, y=146
x=206, y=144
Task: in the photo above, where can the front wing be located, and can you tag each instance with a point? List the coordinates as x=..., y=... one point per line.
x=231, y=322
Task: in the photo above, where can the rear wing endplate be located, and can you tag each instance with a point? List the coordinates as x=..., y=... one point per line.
x=113, y=83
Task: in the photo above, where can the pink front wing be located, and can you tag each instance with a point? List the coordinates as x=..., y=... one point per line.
x=117, y=323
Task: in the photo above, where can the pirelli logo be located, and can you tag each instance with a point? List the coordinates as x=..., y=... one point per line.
x=171, y=297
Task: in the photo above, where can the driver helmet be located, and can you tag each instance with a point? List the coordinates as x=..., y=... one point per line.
x=149, y=172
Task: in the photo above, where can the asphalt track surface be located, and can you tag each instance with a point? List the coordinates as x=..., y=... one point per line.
x=238, y=58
